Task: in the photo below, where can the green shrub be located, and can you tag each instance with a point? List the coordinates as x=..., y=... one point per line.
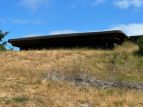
x=2, y=43
x=140, y=44
x=20, y=99
x=2, y=48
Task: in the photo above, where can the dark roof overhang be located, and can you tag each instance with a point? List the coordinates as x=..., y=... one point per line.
x=135, y=38
x=70, y=40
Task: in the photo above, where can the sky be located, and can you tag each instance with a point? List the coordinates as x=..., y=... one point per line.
x=25, y=18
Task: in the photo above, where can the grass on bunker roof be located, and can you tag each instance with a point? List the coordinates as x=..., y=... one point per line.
x=24, y=77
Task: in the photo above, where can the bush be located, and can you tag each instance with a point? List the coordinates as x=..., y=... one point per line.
x=140, y=44
x=2, y=43
x=2, y=47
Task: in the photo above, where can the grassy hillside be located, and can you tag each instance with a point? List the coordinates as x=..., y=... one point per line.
x=50, y=78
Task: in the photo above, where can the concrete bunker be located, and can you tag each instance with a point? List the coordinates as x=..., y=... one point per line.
x=104, y=39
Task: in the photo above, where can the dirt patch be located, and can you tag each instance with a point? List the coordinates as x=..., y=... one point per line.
x=85, y=79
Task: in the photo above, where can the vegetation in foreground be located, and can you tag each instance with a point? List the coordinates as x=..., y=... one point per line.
x=33, y=78
x=140, y=44
x=2, y=42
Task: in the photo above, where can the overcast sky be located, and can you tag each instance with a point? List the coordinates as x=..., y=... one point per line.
x=36, y=17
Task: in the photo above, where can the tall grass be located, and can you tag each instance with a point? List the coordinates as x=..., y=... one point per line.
x=41, y=75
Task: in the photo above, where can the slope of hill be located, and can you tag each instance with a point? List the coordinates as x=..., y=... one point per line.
x=66, y=77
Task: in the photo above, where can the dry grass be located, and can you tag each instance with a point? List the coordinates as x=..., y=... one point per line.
x=24, y=77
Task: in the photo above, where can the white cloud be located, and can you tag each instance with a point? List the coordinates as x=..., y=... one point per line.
x=51, y=33
x=62, y=32
x=124, y=4
x=130, y=29
x=33, y=4
x=33, y=35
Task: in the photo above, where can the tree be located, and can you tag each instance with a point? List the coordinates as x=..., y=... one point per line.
x=140, y=44
x=2, y=43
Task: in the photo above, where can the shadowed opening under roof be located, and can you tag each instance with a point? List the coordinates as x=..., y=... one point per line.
x=105, y=39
